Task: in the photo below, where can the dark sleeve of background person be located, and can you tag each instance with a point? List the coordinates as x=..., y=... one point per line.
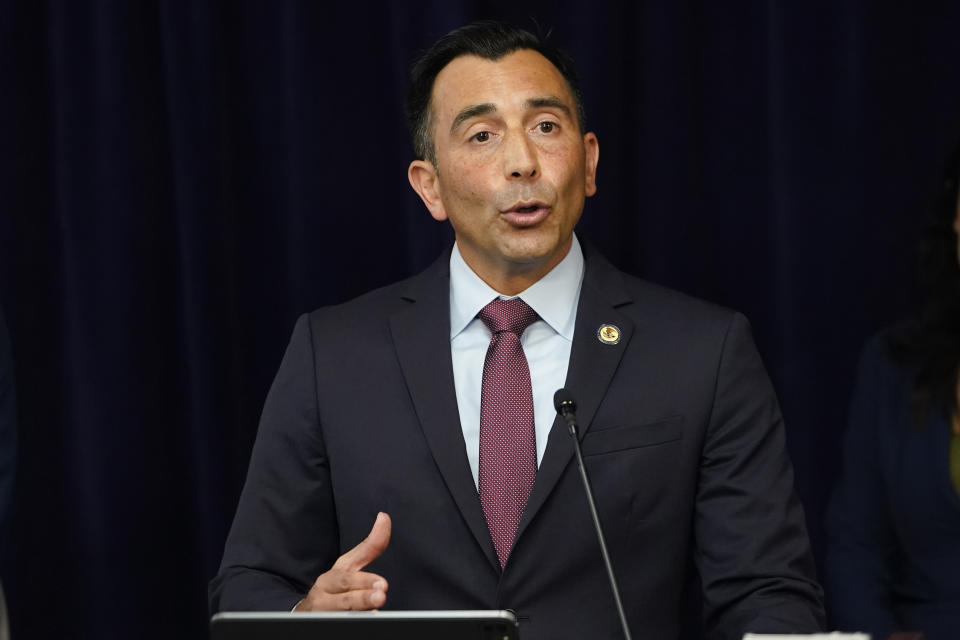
x=8, y=437
x=861, y=544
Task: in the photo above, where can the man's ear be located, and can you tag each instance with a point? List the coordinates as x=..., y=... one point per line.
x=424, y=180
x=591, y=147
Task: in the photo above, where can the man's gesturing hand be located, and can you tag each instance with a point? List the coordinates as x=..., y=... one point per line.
x=345, y=587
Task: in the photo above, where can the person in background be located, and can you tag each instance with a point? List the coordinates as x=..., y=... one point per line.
x=893, y=525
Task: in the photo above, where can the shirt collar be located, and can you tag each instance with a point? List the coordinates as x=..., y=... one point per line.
x=554, y=296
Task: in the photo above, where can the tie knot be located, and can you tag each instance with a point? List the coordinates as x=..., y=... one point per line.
x=512, y=315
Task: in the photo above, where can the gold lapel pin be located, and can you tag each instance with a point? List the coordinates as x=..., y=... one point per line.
x=608, y=334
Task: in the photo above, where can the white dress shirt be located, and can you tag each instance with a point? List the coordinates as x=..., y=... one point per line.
x=546, y=342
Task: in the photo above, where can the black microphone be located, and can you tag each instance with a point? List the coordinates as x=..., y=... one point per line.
x=564, y=404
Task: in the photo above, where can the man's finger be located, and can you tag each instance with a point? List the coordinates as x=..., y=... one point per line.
x=370, y=548
x=361, y=600
x=342, y=581
x=339, y=589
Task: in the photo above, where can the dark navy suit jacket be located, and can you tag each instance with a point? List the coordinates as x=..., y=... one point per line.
x=681, y=434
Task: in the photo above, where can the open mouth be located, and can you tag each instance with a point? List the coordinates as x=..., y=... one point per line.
x=528, y=215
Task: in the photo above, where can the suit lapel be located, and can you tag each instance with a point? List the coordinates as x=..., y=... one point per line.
x=592, y=366
x=421, y=334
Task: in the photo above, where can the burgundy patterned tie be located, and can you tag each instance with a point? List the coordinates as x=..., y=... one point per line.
x=508, y=444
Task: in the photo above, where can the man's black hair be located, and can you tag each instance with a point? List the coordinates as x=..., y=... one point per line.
x=489, y=40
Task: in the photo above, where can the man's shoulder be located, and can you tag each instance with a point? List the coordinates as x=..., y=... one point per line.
x=378, y=305
x=641, y=298
x=370, y=303
x=674, y=299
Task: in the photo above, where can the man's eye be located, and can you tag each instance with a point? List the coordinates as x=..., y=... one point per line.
x=481, y=136
x=546, y=127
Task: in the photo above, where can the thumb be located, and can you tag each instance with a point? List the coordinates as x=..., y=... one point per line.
x=370, y=547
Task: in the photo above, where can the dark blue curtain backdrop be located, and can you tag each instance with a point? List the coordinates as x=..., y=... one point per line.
x=180, y=180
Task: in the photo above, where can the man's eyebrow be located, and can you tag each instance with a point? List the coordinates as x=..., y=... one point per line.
x=475, y=110
x=471, y=112
x=548, y=101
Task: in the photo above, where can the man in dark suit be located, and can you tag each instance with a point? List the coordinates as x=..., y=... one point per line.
x=396, y=403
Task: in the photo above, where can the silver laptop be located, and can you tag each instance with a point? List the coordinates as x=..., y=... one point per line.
x=366, y=625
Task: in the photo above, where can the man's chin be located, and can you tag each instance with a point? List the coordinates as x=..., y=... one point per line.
x=534, y=256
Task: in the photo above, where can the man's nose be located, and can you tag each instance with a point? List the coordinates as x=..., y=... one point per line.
x=520, y=158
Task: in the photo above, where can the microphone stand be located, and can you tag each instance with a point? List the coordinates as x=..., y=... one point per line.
x=567, y=408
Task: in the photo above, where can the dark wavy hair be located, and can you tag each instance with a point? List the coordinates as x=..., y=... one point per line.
x=489, y=40
x=929, y=343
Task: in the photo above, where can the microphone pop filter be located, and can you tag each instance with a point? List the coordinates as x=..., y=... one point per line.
x=563, y=401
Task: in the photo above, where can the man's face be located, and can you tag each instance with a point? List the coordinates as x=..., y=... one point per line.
x=512, y=168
